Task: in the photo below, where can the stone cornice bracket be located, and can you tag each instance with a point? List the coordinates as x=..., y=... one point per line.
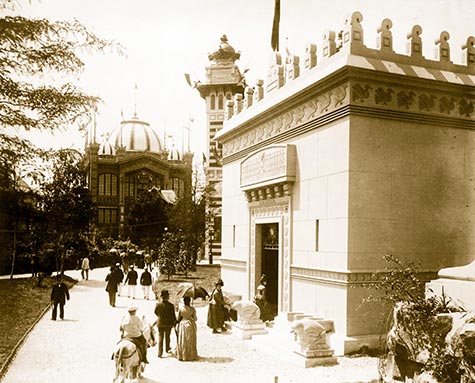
x=310, y=56
x=385, y=37
x=258, y=90
x=353, y=30
x=468, y=54
x=329, y=44
x=442, y=49
x=414, y=42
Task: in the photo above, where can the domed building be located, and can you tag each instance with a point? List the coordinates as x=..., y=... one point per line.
x=132, y=158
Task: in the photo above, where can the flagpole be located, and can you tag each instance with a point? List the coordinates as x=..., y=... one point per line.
x=275, y=27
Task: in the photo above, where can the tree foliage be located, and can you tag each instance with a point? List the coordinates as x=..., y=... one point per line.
x=147, y=219
x=66, y=205
x=32, y=53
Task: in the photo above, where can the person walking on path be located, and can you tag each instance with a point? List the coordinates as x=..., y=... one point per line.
x=146, y=282
x=131, y=281
x=216, y=311
x=59, y=295
x=131, y=327
x=113, y=281
x=85, y=268
x=186, y=338
x=166, y=320
x=119, y=275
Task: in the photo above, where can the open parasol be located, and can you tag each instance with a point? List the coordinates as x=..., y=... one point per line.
x=190, y=290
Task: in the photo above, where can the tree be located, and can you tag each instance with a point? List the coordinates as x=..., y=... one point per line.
x=188, y=218
x=147, y=219
x=32, y=48
x=66, y=205
x=35, y=56
x=168, y=254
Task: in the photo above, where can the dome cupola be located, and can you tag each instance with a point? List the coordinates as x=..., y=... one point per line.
x=174, y=154
x=225, y=52
x=136, y=135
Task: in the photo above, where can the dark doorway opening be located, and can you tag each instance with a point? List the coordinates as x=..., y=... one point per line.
x=270, y=262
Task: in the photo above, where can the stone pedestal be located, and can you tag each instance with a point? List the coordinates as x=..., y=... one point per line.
x=458, y=283
x=247, y=330
x=322, y=356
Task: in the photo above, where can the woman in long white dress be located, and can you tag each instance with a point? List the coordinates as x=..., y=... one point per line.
x=186, y=344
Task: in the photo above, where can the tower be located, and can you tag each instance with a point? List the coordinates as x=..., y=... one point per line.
x=223, y=81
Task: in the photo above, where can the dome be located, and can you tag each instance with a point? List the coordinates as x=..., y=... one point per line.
x=106, y=149
x=224, y=52
x=136, y=135
x=174, y=154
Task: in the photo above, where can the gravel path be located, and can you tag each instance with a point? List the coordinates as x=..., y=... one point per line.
x=78, y=349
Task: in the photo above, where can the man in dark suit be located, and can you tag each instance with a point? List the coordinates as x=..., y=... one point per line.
x=59, y=294
x=166, y=320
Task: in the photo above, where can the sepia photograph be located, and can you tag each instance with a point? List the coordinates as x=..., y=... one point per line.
x=272, y=191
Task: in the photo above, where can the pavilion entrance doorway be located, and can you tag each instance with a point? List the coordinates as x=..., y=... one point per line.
x=269, y=250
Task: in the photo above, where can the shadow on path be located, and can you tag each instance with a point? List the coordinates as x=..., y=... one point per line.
x=214, y=359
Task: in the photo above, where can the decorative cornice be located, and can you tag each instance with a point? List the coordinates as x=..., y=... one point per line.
x=385, y=98
x=346, y=277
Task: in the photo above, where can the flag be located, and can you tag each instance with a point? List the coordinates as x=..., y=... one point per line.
x=275, y=27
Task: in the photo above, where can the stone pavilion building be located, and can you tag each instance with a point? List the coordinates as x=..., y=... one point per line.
x=327, y=167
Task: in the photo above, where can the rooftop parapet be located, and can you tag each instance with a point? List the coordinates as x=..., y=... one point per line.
x=350, y=42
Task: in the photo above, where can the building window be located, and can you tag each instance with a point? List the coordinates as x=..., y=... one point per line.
x=107, y=216
x=316, y=234
x=178, y=186
x=217, y=229
x=213, y=102
x=220, y=102
x=108, y=184
x=234, y=235
x=129, y=186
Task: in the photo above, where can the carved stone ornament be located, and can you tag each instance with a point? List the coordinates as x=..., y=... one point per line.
x=309, y=334
x=248, y=312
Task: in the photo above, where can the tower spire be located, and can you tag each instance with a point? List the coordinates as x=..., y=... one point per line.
x=135, y=101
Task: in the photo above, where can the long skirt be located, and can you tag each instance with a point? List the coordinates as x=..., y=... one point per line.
x=216, y=316
x=186, y=343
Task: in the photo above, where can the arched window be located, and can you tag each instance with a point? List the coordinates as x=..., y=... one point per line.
x=220, y=101
x=107, y=184
x=213, y=102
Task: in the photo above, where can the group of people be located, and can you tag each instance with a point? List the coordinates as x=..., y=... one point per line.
x=116, y=276
x=182, y=321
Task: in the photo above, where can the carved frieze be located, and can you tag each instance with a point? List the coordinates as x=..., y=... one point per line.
x=398, y=98
x=314, y=108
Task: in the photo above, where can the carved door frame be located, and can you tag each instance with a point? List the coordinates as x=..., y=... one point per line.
x=279, y=212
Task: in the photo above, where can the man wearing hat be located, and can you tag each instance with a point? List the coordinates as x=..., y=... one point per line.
x=131, y=327
x=131, y=281
x=166, y=320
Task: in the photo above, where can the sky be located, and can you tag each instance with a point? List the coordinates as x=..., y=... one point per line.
x=164, y=39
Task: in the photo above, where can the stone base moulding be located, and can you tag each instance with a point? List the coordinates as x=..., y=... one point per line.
x=246, y=331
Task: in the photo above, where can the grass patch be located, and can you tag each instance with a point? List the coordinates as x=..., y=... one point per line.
x=23, y=301
x=204, y=276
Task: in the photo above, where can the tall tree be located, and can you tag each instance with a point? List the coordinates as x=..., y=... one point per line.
x=147, y=219
x=31, y=48
x=36, y=57
x=66, y=205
